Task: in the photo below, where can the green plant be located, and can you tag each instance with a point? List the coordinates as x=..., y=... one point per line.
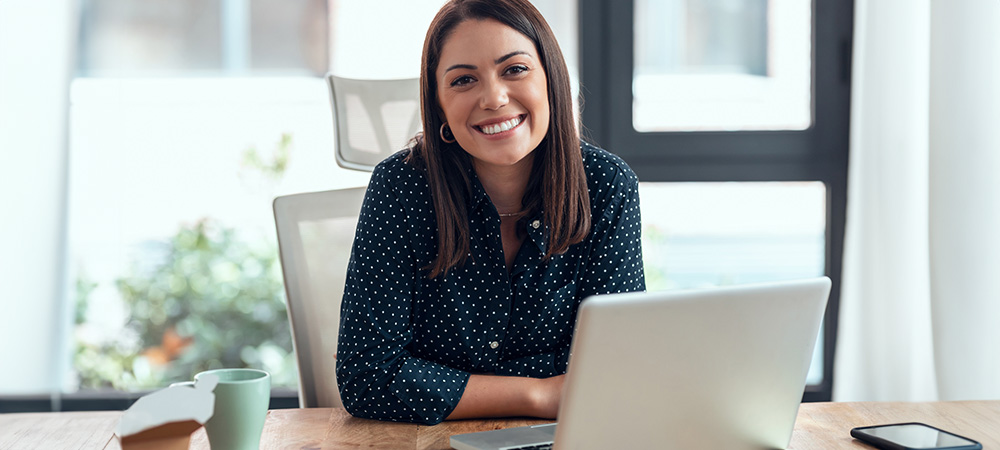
x=84, y=287
x=274, y=168
x=204, y=300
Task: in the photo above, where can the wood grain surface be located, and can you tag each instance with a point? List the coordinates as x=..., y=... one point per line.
x=819, y=426
x=58, y=430
x=828, y=425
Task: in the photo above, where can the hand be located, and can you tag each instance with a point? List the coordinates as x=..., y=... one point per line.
x=546, y=396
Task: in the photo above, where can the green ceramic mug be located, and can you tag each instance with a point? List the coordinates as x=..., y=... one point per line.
x=241, y=400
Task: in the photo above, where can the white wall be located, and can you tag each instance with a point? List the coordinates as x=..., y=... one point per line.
x=35, y=46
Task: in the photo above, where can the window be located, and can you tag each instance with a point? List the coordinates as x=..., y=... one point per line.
x=711, y=234
x=198, y=37
x=171, y=235
x=698, y=234
x=177, y=147
x=722, y=65
x=715, y=100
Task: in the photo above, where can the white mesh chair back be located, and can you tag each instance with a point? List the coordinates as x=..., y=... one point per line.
x=372, y=119
x=315, y=234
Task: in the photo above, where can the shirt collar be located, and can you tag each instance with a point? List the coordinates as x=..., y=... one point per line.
x=536, y=228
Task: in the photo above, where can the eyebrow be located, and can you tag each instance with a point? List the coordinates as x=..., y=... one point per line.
x=496, y=61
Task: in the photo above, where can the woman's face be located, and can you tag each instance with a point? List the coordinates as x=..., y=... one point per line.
x=493, y=91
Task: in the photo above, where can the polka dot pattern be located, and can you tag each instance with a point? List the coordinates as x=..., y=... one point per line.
x=408, y=343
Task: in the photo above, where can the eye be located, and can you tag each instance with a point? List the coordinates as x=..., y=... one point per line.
x=516, y=69
x=462, y=81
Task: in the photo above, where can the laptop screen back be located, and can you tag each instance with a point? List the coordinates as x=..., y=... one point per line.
x=716, y=368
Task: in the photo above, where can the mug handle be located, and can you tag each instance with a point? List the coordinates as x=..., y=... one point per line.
x=182, y=383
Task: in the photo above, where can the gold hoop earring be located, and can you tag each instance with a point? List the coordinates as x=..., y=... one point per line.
x=446, y=133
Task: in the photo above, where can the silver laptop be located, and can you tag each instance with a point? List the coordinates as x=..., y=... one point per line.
x=702, y=369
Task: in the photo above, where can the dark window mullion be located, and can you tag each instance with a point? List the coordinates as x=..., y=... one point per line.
x=712, y=146
x=621, y=62
x=594, y=70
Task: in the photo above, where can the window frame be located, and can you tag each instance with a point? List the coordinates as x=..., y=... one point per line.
x=818, y=153
x=110, y=400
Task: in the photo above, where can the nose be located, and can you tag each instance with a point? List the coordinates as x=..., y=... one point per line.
x=494, y=95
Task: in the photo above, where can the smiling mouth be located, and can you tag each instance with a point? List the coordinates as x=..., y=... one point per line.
x=500, y=127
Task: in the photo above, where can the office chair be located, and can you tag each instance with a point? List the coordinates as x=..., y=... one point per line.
x=372, y=119
x=315, y=234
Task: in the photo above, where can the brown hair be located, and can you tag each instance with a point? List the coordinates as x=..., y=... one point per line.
x=557, y=185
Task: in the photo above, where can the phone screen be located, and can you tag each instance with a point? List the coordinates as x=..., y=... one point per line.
x=917, y=436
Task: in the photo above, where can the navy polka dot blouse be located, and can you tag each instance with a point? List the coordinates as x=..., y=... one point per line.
x=408, y=343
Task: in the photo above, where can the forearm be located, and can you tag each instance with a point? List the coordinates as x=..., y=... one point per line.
x=500, y=396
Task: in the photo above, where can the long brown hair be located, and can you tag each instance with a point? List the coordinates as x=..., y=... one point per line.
x=557, y=185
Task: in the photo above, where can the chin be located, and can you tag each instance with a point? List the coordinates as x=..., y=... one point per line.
x=500, y=158
x=508, y=161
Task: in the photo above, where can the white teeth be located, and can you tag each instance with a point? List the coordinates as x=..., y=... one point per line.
x=502, y=126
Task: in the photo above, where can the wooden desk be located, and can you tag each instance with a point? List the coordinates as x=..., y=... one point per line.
x=819, y=426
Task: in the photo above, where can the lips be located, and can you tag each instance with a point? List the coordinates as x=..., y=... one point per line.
x=500, y=127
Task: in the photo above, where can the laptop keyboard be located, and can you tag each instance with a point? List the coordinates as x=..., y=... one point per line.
x=546, y=446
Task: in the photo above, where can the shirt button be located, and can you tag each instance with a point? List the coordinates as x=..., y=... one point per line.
x=536, y=224
x=494, y=344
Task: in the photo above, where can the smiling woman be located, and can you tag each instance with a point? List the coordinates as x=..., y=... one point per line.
x=497, y=110
x=476, y=245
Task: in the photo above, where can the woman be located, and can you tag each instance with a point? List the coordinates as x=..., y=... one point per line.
x=476, y=245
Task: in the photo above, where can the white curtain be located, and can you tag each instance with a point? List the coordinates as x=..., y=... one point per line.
x=36, y=45
x=920, y=301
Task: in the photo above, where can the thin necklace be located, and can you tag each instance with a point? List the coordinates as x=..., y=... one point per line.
x=509, y=214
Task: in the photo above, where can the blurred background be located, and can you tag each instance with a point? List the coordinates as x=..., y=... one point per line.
x=143, y=143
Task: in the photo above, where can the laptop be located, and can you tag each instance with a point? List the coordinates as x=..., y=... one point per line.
x=701, y=369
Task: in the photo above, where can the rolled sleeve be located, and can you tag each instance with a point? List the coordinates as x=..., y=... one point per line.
x=430, y=390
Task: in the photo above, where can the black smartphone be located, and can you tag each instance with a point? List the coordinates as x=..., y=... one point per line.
x=912, y=436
